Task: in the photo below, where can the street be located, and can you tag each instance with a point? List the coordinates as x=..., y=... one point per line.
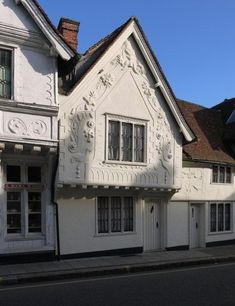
x=212, y=285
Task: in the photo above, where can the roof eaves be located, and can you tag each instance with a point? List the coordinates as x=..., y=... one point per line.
x=42, y=19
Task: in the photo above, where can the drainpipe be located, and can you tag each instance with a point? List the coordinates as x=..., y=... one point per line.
x=53, y=179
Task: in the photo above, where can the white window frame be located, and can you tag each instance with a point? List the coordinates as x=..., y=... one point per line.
x=12, y=50
x=25, y=234
x=218, y=174
x=217, y=220
x=122, y=232
x=133, y=121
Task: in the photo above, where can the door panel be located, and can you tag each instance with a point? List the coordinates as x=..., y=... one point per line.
x=195, y=226
x=152, y=226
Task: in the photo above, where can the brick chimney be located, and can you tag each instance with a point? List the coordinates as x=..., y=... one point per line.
x=69, y=29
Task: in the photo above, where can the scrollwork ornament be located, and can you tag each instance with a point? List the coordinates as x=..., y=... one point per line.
x=17, y=126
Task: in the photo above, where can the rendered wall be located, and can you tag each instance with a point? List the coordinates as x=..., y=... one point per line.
x=177, y=224
x=77, y=222
x=197, y=185
x=122, y=86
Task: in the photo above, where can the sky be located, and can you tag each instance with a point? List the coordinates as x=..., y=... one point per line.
x=194, y=40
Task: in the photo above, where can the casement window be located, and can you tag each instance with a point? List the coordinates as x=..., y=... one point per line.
x=23, y=199
x=5, y=73
x=220, y=217
x=126, y=141
x=221, y=174
x=115, y=214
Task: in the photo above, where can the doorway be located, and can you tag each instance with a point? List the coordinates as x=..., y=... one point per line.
x=152, y=226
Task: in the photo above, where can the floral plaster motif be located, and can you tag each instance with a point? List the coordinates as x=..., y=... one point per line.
x=192, y=181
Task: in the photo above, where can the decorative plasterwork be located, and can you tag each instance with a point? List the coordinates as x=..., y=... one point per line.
x=82, y=121
x=192, y=181
x=35, y=128
x=22, y=36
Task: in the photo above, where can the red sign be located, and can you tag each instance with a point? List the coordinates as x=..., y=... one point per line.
x=23, y=186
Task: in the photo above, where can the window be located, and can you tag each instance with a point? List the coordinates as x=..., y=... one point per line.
x=5, y=73
x=24, y=199
x=221, y=174
x=115, y=214
x=220, y=217
x=126, y=141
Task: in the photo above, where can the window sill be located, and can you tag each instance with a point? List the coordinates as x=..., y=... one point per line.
x=222, y=184
x=114, y=234
x=12, y=237
x=122, y=163
x=220, y=233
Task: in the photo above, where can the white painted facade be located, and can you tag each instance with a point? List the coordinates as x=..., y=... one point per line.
x=123, y=86
x=28, y=131
x=104, y=204
x=198, y=191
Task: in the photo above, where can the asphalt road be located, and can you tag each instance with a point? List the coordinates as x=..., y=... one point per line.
x=214, y=285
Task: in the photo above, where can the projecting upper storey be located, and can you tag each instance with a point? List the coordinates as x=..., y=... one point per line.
x=29, y=50
x=120, y=124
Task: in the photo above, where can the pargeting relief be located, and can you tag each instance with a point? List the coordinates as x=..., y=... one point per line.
x=82, y=118
x=35, y=128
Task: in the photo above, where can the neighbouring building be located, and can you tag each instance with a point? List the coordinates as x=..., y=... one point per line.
x=97, y=154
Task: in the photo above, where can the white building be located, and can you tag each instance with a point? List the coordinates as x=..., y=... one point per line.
x=116, y=184
x=29, y=48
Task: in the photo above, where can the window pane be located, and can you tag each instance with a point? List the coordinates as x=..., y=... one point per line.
x=139, y=143
x=126, y=141
x=222, y=175
x=34, y=211
x=128, y=214
x=13, y=212
x=220, y=217
x=113, y=140
x=227, y=217
x=34, y=174
x=213, y=217
x=228, y=175
x=103, y=215
x=116, y=214
x=13, y=173
x=5, y=74
x=215, y=174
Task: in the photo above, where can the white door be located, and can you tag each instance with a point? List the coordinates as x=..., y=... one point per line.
x=152, y=226
x=195, y=226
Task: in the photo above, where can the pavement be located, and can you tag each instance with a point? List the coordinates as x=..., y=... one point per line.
x=110, y=265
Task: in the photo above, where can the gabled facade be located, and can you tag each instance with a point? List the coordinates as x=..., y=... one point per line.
x=97, y=154
x=120, y=149
x=29, y=49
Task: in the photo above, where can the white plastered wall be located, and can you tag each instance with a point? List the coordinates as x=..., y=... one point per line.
x=78, y=233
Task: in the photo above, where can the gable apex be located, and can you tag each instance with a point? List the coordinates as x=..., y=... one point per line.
x=94, y=58
x=48, y=29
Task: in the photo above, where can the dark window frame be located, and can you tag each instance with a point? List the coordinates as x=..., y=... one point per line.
x=115, y=215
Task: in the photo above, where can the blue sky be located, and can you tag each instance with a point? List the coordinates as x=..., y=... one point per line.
x=194, y=40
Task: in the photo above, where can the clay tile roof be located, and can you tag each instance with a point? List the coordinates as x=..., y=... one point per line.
x=208, y=126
